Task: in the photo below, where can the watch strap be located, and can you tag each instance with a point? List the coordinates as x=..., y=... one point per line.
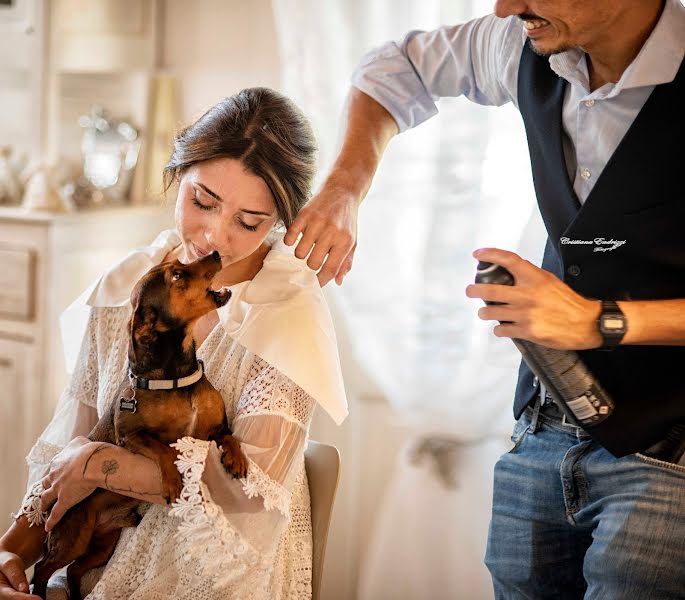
x=611, y=311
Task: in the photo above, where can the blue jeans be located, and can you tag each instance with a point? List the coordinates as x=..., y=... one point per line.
x=571, y=521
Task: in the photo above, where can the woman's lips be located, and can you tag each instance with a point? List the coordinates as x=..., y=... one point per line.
x=199, y=252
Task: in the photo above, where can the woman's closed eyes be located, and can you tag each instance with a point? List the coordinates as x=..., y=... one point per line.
x=208, y=207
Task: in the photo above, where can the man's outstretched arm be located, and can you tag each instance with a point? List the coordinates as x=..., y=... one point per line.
x=328, y=223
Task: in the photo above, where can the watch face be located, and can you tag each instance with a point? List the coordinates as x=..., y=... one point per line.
x=612, y=324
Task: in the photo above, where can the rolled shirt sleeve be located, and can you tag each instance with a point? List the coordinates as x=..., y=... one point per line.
x=478, y=59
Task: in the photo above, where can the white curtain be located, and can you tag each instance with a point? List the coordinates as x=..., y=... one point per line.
x=456, y=183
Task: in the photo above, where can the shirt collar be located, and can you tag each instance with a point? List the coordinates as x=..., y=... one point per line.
x=657, y=62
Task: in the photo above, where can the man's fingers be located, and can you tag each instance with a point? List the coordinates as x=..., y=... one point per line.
x=512, y=262
x=492, y=292
x=508, y=330
x=296, y=228
x=497, y=313
x=346, y=267
x=318, y=255
x=497, y=255
x=334, y=263
x=309, y=237
x=324, y=277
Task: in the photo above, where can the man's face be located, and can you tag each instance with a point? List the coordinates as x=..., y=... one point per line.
x=557, y=25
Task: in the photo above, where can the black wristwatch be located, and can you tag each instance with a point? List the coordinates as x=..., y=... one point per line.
x=612, y=324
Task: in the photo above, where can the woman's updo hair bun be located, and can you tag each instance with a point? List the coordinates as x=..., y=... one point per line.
x=263, y=129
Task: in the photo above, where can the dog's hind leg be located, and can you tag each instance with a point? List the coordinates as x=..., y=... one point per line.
x=62, y=549
x=99, y=552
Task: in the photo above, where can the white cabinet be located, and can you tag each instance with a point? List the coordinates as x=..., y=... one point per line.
x=46, y=261
x=19, y=418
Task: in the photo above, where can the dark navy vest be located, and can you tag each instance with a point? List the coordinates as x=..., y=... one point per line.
x=639, y=198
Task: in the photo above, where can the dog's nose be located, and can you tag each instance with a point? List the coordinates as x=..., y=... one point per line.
x=216, y=255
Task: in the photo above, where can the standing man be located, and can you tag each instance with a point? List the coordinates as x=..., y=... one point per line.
x=600, y=85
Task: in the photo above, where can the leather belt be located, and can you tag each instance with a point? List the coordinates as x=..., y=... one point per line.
x=549, y=409
x=669, y=449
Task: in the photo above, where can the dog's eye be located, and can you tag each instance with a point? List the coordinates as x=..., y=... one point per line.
x=176, y=275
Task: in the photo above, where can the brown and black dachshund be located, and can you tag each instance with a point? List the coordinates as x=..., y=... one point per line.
x=166, y=302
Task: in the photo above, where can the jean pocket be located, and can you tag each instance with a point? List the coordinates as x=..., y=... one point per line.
x=519, y=433
x=662, y=464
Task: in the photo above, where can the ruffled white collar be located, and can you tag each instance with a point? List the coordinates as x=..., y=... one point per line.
x=280, y=315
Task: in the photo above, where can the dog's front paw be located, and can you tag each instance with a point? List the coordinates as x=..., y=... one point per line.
x=172, y=483
x=232, y=457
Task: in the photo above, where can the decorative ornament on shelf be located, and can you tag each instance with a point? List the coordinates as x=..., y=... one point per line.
x=110, y=150
x=41, y=192
x=10, y=180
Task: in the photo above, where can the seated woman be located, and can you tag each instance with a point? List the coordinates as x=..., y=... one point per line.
x=243, y=169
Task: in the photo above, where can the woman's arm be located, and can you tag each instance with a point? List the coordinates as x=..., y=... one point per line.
x=20, y=547
x=23, y=540
x=83, y=466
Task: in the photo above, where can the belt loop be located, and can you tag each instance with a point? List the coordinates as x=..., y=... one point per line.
x=536, y=411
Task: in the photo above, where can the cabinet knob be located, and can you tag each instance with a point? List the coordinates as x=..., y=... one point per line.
x=5, y=362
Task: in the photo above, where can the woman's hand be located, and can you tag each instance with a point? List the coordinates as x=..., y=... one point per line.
x=13, y=582
x=66, y=483
x=540, y=307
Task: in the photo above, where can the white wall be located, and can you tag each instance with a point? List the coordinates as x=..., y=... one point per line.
x=218, y=47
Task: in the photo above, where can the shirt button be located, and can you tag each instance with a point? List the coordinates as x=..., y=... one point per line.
x=589, y=103
x=573, y=270
x=585, y=173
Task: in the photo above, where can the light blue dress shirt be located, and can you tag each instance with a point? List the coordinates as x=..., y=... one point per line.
x=480, y=60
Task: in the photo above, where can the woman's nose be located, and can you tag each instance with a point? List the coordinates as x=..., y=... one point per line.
x=210, y=237
x=218, y=235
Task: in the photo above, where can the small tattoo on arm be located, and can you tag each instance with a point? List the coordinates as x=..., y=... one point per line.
x=109, y=467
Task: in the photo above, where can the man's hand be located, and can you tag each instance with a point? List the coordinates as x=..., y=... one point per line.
x=66, y=483
x=13, y=582
x=540, y=307
x=328, y=224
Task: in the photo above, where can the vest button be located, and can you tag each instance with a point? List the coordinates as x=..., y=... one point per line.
x=573, y=270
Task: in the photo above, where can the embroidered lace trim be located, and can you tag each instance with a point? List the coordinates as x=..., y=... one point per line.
x=31, y=506
x=42, y=452
x=40, y=455
x=258, y=483
x=217, y=546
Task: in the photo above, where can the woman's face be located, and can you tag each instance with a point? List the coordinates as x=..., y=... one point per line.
x=223, y=207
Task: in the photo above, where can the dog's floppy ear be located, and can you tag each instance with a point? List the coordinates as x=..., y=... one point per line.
x=143, y=325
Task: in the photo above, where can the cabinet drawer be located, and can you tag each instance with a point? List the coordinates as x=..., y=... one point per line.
x=17, y=282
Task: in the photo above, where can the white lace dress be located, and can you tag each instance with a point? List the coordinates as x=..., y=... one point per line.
x=224, y=538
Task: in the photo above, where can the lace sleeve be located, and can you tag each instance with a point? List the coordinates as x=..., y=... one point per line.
x=75, y=415
x=245, y=517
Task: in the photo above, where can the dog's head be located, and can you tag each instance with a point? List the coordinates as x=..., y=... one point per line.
x=168, y=300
